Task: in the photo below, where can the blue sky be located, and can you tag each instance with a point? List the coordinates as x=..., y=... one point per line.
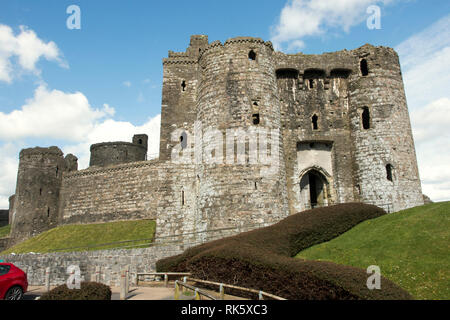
x=107, y=76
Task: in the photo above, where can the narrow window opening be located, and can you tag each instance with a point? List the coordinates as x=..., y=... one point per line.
x=255, y=118
x=365, y=118
x=183, y=140
x=183, y=86
x=140, y=141
x=252, y=55
x=311, y=83
x=48, y=212
x=314, y=122
x=40, y=191
x=182, y=197
x=256, y=186
x=57, y=169
x=364, y=67
x=389, y=172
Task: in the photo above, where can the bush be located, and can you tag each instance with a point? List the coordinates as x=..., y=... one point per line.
x=262, y=259
x=87, y=291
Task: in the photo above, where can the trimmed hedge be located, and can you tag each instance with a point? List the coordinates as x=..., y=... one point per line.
x=87, y=291
x=262, y=259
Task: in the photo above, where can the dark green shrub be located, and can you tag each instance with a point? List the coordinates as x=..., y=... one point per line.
x=262, y=259
x=87, y=291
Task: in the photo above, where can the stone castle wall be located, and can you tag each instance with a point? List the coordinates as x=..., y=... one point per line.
x=316, y=108
x=37, y=192
x=388, y=140
x=140, y=190
x=111, y=153
x=110, y=262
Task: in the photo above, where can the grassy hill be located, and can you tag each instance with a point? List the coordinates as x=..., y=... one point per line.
x=4, y=231
x=89, y=237
x=411, y=247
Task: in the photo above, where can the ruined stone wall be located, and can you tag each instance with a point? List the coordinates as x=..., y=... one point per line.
x=312, y=108
x=3, y=244
x=140, y=190
x=110, y=262
x=179, y=94
x=111, y=153
x=37, y=192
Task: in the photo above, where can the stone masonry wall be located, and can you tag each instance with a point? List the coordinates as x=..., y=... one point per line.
x=312, y=105
x=111, y=153
x=3, y=244
x=111, y=262
x=140, y=190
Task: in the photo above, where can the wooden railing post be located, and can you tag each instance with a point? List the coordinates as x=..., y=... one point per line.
x=166, y=280
x=47, y=279
x=127, y=279
x=260, y=295
x=177, y=291
x=197, y=295
x=123, y=294
x=222, y=292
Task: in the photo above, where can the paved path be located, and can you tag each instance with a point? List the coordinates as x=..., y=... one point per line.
x=136, y=293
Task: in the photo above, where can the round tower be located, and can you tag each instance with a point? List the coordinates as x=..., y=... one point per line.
x=37, y=192
x=386, y=172
x=237, y=104
x=112, y=153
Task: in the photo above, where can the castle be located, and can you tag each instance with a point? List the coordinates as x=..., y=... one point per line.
x=339, y=132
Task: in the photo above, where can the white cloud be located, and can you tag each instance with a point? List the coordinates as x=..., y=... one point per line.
x=8, y=172
x=28, y=49
x=51, y=114
x=432, y=121
x=67, y=117
x=302, y=18
x=425, y=62
x=431, y=128
x=426, y=72
x=127, y=84
x=112, y=130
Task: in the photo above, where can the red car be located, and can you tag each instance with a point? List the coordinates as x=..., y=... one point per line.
x=13, y=282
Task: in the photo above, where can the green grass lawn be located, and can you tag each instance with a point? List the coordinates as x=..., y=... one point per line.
x=4, y=231
x=411, y=247
x=85, y=237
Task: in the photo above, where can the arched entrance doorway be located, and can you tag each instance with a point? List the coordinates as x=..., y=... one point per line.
x=314, y=189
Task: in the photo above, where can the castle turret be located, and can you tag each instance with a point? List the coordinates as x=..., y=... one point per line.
x=386, y=172
x=179, y=93
x=237, y=97
x=37, y=192
x=111, y=153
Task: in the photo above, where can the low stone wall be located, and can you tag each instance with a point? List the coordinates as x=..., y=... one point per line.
x=3, y=244
x=111, y=262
